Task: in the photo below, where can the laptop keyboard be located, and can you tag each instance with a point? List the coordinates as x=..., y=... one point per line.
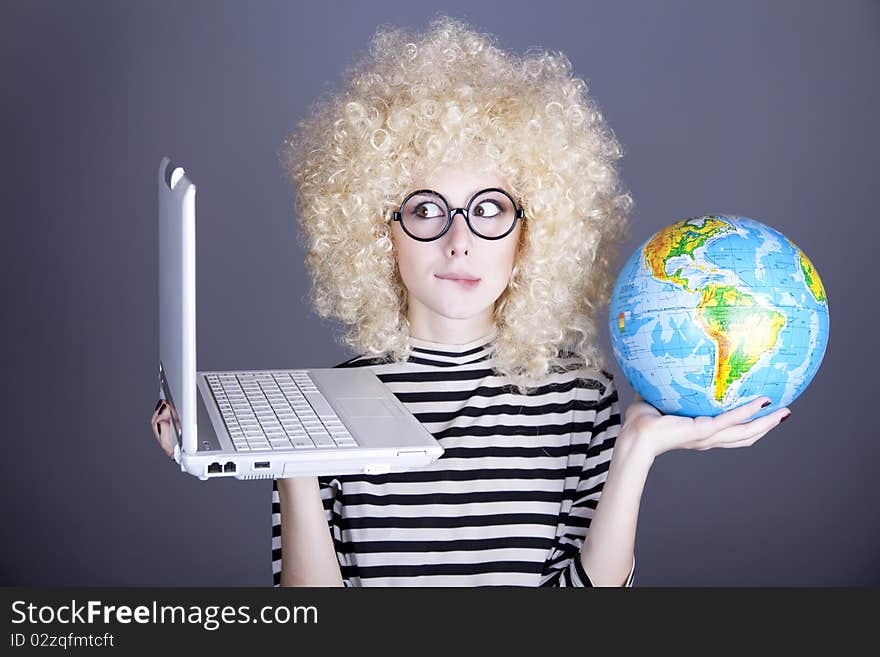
x=276, y=410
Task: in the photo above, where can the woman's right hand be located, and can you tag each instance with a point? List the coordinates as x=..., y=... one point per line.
x=160, y=422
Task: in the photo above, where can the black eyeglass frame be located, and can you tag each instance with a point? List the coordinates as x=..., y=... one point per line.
x=519, y=213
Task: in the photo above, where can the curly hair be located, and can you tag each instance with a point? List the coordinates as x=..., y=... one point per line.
x=433, y=98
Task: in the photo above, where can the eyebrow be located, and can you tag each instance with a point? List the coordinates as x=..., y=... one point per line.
x=470, y=195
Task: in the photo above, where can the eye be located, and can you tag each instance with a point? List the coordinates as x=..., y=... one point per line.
x=487, y=209
x=427, y=210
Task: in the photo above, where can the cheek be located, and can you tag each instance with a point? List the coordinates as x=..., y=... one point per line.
x=506, y=258
x=406, y=254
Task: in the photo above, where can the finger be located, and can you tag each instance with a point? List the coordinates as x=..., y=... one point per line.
x=162, y=431
x=746, y=430
x=707, y=427
x=747, y=442
x=742, y=413
x=161, y=428
x=158, y=413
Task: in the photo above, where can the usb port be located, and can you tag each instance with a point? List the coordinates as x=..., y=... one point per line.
x=261, y=464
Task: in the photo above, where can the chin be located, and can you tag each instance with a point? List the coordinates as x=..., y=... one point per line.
x=461, y=311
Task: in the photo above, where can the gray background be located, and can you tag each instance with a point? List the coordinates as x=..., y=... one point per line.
x=767, y=109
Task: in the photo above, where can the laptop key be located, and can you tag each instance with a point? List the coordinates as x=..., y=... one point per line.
x=323, y=440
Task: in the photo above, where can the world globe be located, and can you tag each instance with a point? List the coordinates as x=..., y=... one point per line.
x=715, y=311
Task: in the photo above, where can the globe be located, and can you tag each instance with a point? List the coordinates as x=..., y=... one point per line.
x=715, y=311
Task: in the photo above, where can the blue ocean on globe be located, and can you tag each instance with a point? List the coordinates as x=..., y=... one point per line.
x=714, y=311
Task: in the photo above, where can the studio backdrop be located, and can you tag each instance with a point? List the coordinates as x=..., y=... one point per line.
x=765, y=109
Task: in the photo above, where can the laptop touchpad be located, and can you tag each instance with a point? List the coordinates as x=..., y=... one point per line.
x=367, y=407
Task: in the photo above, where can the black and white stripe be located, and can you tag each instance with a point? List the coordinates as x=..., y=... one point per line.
x=510, y=500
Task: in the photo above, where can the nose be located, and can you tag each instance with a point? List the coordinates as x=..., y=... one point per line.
x=459, y=236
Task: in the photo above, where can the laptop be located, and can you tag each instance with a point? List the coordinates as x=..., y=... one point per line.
x=262, y=424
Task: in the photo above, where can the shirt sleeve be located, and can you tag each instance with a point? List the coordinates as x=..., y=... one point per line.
x=329, y=487
x=563, y=567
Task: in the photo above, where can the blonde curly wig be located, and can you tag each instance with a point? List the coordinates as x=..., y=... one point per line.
x=434, y=98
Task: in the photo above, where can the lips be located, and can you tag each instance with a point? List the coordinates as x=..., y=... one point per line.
x=465, y=278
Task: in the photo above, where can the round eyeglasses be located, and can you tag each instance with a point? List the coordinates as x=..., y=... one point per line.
x=491, y=214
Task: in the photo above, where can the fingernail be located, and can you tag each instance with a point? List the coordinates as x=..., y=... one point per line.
x=785, y=417
x=158, y=404
x=765, y=404
x=159, y=427
x=162, y=410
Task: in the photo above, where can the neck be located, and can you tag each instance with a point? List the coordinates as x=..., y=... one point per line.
x=451, y=342
x=446, y=330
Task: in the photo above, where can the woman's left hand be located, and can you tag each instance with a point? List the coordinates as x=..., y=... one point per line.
x=658, y=433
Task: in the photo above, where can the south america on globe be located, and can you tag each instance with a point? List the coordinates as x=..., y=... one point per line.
x=714, y=311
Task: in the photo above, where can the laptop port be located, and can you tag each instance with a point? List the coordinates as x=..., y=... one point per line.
x=229, y=467
x=261, y=464
x=215, y=467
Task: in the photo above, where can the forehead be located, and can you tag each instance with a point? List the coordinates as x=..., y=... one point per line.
x=458, y=181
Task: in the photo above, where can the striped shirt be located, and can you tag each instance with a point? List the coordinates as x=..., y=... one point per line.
x=510, y=500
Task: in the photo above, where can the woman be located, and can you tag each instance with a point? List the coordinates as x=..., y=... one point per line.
x=462, y=215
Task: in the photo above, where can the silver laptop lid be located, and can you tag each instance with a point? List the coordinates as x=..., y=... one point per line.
x=177, y=298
